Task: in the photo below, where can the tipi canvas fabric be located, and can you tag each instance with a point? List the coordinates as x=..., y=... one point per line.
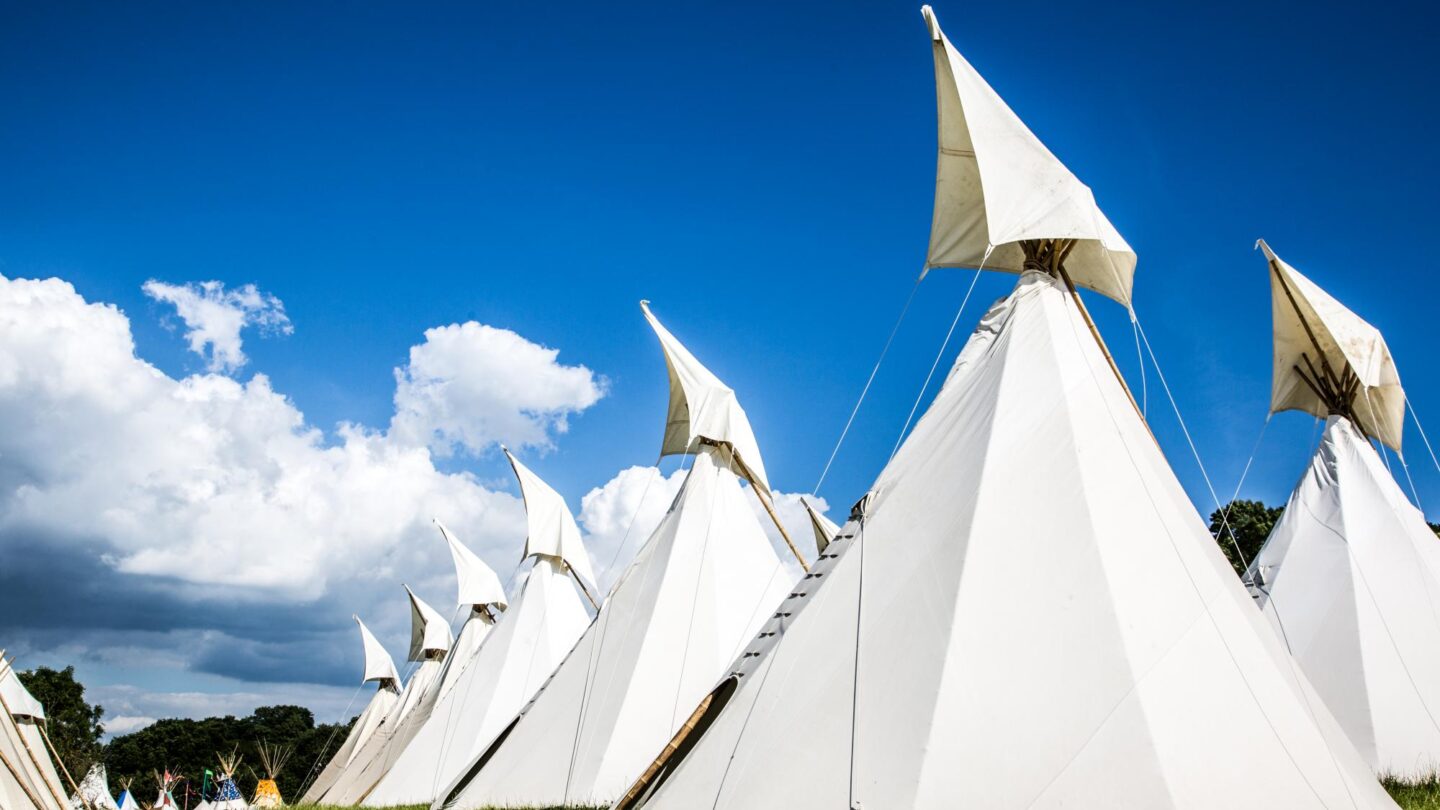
x=1350, y=582
x=698, y=589
x=533, y=635
x=1030, y=614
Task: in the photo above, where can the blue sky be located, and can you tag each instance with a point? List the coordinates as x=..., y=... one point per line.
x=762, y=172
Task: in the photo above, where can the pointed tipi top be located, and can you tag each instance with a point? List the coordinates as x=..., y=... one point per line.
x=551, y=526
x=17, y=698
x=824, y=528
x=429, y=631
x=379, y=666
x=997, y=186
x=704, y=409
x=1328, y=360
x=478, y=584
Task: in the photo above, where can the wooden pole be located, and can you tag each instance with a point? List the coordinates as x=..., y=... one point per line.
x=21, y=779
x=1105, y=350
x=583, y=589
x=763, y=493
x=56, y=754
x=770, y=510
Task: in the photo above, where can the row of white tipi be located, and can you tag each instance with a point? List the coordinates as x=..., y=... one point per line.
x=541, y=687
x=1025, y=610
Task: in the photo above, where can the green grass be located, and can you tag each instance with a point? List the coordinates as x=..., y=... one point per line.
x=1423, y=794
x=1419, y=795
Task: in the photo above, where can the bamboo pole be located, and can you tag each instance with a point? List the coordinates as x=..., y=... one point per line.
x=21, y=779
x=58, y=761
x=770, y=510
x=762, y=492
x=1105, y=350
x=583, y=589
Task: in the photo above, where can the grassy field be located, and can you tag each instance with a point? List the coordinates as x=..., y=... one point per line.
x=1423, y=795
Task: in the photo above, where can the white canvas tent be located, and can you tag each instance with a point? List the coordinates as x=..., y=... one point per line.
x=165, y=798
x=695, y=592
x=505, y=672
x=1025, y=611
x=1350, y=576
x=430, y=639
x=93, y=792
x=380, y=668
x=27, y=774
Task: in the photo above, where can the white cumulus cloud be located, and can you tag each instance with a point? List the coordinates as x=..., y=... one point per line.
x=471, y=386
x=215, y=316
x=220, y=490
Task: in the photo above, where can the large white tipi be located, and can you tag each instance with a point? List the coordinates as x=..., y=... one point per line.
x=1025, y=611
x=380, y=668
x=1350, y=576
x=430, y=639
x=697, y=590
x=27, y=774
x=506, y=671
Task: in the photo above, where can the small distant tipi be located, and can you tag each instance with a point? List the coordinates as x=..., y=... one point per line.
x=127, y=799
x=272, y=760
x=93, y=792
x=227, y=792
x=165, y=782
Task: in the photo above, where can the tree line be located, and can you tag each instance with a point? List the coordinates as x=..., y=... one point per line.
x=185, y=747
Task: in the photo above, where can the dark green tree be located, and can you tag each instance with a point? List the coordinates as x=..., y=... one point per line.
x=72, y=724
x=1250, y=522
x=1434, y=527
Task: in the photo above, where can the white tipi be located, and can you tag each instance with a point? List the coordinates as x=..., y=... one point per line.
x=165, y=799
x=697, y=590
x=379, y=667
x=1350, y=576
x=505, y=672
x=93, y=792
x=27, y=774
x=127, y=798
x=430, y=639
x=1025, y=611
x=483, y=598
